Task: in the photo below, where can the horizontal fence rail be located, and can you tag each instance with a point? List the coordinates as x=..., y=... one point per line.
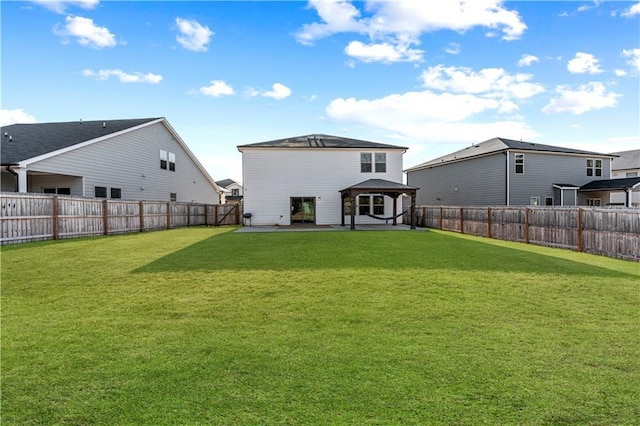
x=38, y=217
x=612, y=232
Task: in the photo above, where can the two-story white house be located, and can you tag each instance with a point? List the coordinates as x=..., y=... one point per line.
x=322, y=180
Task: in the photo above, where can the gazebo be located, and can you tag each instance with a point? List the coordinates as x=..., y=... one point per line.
x=378, y=186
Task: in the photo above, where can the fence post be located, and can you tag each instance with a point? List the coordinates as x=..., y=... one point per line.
x=55, y=218
x=141, y=212
x=105, y=217
x=440, y=220
x=169, y=215
x=580, y=227
x=188, y=215
x=206, y=215
x=526, y=225
x=461, y=220
x=215, y=215
x=489, y=222
x=237, y=214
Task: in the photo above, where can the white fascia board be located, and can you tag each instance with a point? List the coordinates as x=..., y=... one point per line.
x=189, y=153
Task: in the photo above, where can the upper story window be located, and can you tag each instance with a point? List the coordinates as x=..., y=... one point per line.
x=381, y=162
x=365, y=162
x=172, y=162
x=163, y=159
x=594, y=167
x=235, y=192
x=631, y=174
x=519, y=164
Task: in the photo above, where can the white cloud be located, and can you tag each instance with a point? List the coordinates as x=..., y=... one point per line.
x=87, y=33
x=452, y=48
x=123, y=77
x=632, y=11
x=527, y=60
x=583, y=63
x=217, y=88
x=193, y=36
x=491, y=82
x=12, y=116
x=279, y=91
x=634, y=57
x=382, y=52
x=61, y=5
x=586, y=97
x=620, y=73
x=400, y=23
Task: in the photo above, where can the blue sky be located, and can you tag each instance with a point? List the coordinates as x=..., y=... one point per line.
x=435, y=76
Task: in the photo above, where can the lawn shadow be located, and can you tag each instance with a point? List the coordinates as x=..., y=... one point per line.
x=364, y=250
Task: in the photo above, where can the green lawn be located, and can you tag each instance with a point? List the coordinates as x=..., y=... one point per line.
x=205, y=326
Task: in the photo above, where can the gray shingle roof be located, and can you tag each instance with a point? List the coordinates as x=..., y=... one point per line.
x=626, y=160
x=320, y=141
x=380, y=184
x=611, y=184
x=497, y=145
x=225, y=182
x=19, y=142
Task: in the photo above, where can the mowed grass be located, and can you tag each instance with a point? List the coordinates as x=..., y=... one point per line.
x=207, y=326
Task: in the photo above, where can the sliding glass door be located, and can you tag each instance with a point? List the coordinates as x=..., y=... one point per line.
x=303, y=210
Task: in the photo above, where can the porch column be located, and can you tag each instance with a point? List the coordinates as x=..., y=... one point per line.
x=22, y=179
x=342, y=198
x=395, y=210
x=628, y=197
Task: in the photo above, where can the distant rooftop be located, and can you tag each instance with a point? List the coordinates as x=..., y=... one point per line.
x=320, y=141
x=497, y=145
x=626, y=160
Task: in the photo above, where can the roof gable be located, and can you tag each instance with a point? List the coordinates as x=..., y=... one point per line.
x=316, y=141
x=497, y=145
x=626, y=160
x=20, y=142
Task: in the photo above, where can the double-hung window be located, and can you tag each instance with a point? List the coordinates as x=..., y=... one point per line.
x=172, y=162
x=381, y=162
x=519, y=158
x=594, y=167
x=163, y=159
x=365, y=162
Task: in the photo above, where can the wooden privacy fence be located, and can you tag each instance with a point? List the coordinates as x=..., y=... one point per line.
x=610, y=232
x=36, y=217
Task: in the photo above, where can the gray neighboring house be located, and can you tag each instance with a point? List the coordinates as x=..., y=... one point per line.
x=234, y=194
x=133, y=159
x=626, y=166
x=507, y=172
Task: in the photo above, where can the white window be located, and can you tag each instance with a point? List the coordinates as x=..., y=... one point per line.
x=548, y=201
x=535, y=201
x=365, y=162
x=370, y=204
x=519, y=164
x=631, y=174
x=163, y=159
x=594, y=202
x=381, y=162
x=172, y=162
x=594, y=167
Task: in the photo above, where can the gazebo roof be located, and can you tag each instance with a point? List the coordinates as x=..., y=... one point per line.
x=380, y=185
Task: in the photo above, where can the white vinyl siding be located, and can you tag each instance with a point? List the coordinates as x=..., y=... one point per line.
x=130, y=162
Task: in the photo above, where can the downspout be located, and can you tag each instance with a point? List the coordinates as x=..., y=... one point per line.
x=10, y=170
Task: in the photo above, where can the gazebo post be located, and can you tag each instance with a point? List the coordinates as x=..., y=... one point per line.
x=353, y=210
x=395, y=209
x=413, y=210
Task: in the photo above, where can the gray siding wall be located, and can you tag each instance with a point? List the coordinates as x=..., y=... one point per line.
x=479, y=181
x=7, y=182
x=131, y=162
x=541, y=171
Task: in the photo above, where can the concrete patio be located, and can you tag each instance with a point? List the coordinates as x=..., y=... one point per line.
x=320, y=228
